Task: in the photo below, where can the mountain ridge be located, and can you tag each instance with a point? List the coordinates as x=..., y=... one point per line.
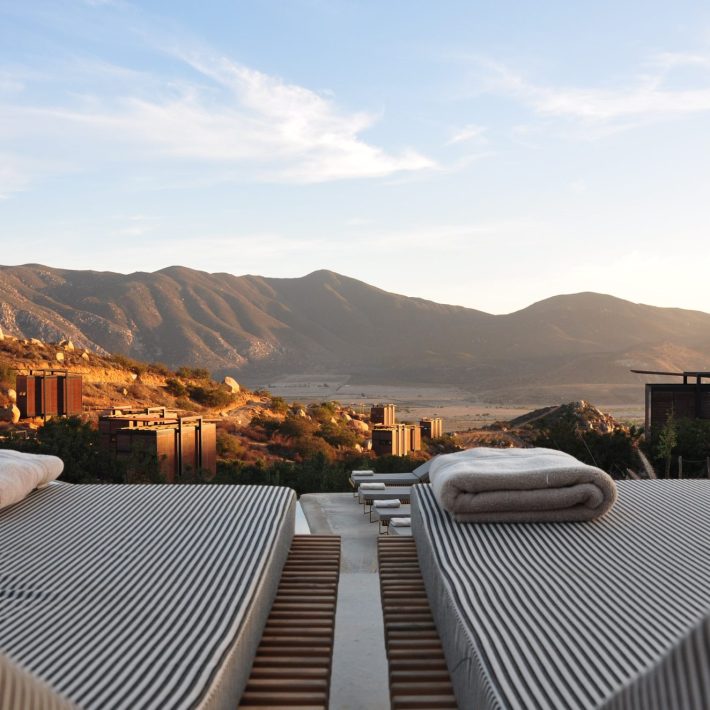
x=260, y=327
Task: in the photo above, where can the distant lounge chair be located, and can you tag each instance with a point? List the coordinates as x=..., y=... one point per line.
x=419, y=475
x=368, y=497
x=382, y=516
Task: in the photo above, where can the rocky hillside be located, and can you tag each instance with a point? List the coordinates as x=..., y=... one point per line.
x=258, y=328
x=252, y=426
x=116, y=380
x=579, y=428
x=583, y=415
x=580, y=417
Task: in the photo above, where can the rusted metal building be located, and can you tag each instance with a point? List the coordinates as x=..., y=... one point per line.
x=132, y=418
x=49, y=393
x=689, y=398
x=389, y=440
x=180, y=445
x=396, y=440
x=383, y=414
x=432, y=428
x=415, y=437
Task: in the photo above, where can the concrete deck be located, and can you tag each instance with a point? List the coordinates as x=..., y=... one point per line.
x=359, y=662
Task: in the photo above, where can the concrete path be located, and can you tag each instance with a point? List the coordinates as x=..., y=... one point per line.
x=359, y=661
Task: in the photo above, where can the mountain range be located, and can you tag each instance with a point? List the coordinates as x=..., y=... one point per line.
x=258, y=328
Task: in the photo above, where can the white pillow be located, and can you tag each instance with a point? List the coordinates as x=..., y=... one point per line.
x=21, y=473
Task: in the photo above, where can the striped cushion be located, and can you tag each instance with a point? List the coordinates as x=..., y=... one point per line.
x=132, y=596
x=681, y=679
x=566, y=615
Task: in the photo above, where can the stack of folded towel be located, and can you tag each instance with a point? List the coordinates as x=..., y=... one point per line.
x=389, y=503
x=520, y=485
x=372, y=486
x=365, y=472
x=401, y=522
x=21, y=473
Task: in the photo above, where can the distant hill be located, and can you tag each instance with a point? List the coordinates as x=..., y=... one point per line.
x=259, y=328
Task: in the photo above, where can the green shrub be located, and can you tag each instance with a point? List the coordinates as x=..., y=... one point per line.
x=337, y=435
x=229, y=446
x=294, y=427
x=210, y=396
x=129, y=363
x=160, y=368
x=279, y=405
x=323, y=412
x=267, y=424
x=175, y=387
x=186, y=404
x=307, y=447
x=193, y=373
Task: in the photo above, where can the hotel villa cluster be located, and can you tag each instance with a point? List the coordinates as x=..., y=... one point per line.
x=179, y=443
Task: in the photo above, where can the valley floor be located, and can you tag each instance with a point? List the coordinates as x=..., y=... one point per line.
x=459, y=408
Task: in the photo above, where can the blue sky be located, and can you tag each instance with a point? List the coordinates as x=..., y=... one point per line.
x=488, y=154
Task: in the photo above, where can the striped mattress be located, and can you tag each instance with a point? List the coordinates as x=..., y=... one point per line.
x=606, y=614
x=141, y=596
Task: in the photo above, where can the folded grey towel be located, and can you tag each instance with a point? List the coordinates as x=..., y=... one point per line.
x=390, y=503
x=372, y=486
x=364, y=472
x=485, y=485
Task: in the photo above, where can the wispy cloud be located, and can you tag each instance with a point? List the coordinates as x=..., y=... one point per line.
x=650, y=95
x=233, y=116
x=467, y=133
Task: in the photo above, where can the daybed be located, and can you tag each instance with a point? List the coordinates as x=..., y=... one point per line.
x=611, y=613
x=141, y=596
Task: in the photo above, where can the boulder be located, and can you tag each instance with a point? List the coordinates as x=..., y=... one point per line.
x=12, y=395
x=10, y=414
x=124, y=392
x=67, y=345
x=346, y=417
x=85, y=356
x=2, y=337
x=363, y=427
x=59, y=356
x=35, y=341
x=232, y=384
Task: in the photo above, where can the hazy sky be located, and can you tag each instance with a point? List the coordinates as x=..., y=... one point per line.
x=488, y=154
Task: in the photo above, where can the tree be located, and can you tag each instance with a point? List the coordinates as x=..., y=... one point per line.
x=667, y=441
x=612, y=452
